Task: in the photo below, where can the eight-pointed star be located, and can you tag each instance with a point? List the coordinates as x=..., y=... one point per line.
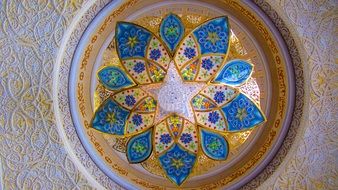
x=173, y=95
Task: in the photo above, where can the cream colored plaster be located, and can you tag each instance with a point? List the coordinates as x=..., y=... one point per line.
x=33, y=155
x=312, y=161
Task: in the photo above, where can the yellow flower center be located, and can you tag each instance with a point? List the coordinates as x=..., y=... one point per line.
x=213, y=37
x=188, y=73
x=150, y=104
x=111, y=118
x=241, y=113
x=177, y=163
x=132, y=41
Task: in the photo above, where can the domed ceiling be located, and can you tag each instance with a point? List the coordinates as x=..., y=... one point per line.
x=64, y=80
x=182, y=94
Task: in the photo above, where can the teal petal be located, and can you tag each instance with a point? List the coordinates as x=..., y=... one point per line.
x=214, y=145
x=177, y=163
x=113, y=78
x=172, y=31
x=242, y=113
x=139, y=147
x=235, y=73
x=213, y=36
x=131, y=40
x=110, y=118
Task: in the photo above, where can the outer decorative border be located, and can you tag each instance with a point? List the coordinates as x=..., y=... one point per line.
x=299, y=100
x=61, y=102
x=80, y=153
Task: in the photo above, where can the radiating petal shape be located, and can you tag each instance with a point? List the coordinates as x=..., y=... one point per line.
x=140, y=147
x=158, y=53
x=171, y=31
x=177, y=163
x=214, y=145
x=175, y=125
x=156, y=73
x=206, y=46
x=219, y=94
x=209, y=66
x=213, y=36
x=110, y=118
x=200, y=103
x=148, y=104
x=113, y=78
x=188, y=137
x=141, y=53
x=163, y=139
x=131, y=40
x=242, y=113
x=186, y=52
x=213, y=119
x=139, y=122
x=142, y=109
x=137, y=70
x=130, y=98
x=189, y=72
x=235, y=72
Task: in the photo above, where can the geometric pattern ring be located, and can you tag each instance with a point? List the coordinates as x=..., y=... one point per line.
x=199, y=57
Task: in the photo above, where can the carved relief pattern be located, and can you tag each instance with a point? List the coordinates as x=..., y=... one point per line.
x=311, y=162
x=32, y=153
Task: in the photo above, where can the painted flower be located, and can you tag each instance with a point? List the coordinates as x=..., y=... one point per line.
x=219, y=97
x=188, y=74
x=186, y=138
x=172, y=29
x=137, y=119
x=177, y=162
x=132, y=42
x=213, y=117
x=175, y=140
x=139, y=67
x=241, y=113
x=215, y=146
x=155, y=54
x=111, y=115
x=207, y=64
x=212, y=38
x=110, y=118
x=189, y=52
x=165, y=138
x=130, y=100
x=150, y=104
x=139, y=147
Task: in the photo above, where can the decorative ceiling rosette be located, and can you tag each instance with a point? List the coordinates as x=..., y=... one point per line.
x=217, y=108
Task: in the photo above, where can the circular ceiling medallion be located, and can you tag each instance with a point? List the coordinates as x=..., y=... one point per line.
x=190, y=94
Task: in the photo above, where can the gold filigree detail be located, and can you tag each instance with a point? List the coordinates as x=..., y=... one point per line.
x=153, y=166
x=190, y=21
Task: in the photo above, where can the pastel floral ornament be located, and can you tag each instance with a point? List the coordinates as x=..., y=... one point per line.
x=218, y=108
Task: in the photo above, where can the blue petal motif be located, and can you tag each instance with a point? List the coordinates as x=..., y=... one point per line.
x=110, y=118
x=214, y=145
x=213, y=36
x=177, y=163
x=235, y=72
x=139, y=147
x=113, y=78
x=242, y=113
x=132, y=40
x=171, y=31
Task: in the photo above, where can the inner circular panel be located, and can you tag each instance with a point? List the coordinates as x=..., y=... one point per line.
x=246, y=148
x=242, y=46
